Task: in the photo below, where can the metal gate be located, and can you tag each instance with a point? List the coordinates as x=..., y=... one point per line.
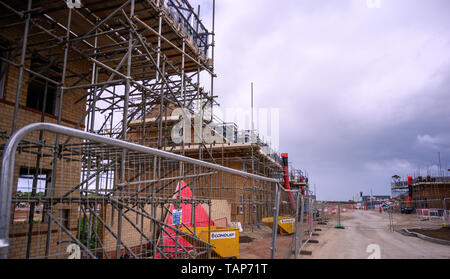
x=116, y=205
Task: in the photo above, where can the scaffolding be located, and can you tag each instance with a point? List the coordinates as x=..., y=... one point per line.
x=93, y=216
x=117, y=69
x=426, y=192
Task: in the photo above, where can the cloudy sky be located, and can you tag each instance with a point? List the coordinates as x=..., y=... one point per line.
x=363, y=88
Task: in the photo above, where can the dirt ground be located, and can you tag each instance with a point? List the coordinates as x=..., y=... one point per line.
x=412, y=221
x=442, y=233
x=261, y=242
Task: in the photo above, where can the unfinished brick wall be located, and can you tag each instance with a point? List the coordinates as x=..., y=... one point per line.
x=68, y=172
x=431, y=195
x=220, y=211
x=246, y=206
x=131, y=237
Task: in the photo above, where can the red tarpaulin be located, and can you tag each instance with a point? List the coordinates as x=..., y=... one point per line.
x=201, y=218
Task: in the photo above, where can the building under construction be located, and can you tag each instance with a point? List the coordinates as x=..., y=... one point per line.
x=430, y=192
x=115, y=71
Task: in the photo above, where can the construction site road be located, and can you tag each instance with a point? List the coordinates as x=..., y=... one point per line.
x=366, y=235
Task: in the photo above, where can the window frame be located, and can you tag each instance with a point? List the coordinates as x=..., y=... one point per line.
x=28, y=173
x=54, y=72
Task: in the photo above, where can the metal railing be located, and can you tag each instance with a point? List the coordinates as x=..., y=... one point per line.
x=128, y=187
x=446, y=216
x=304, y=229
x=183, y=14
x=430, y=213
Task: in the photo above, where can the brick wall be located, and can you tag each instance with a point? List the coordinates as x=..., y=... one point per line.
x=129, y=235
x=68, y=171
x=220, y=211
x=431, y=195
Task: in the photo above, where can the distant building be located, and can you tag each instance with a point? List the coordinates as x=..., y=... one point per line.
x=379, y=198
x=425, y=192
x=371, y=202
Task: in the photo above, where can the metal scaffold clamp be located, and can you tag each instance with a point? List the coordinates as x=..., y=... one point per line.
x=73, y=4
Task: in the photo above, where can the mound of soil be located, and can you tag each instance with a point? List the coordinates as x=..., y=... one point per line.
x=442, y=233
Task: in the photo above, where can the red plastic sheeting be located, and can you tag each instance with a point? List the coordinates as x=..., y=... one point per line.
x=201, y=217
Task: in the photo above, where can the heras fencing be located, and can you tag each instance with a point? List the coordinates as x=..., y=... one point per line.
x=305, y=223
x=306, y=230
x=98, y=197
